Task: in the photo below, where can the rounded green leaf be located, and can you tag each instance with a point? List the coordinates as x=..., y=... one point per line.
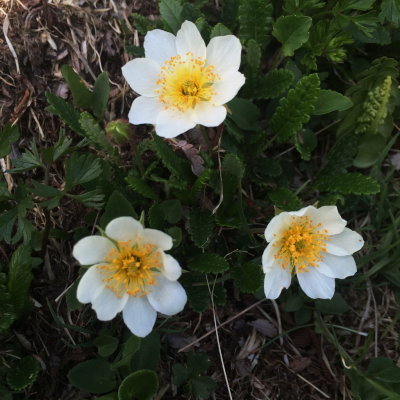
x=208, y=262
x=23, y=374
x=141, y=385
x=93, y=376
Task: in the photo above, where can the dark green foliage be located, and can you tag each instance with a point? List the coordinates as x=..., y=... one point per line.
x=140, y=385
x=292, y=32
x=255, y=20
x=274, y=84
x=171, y=11
x=191, y=375
x=248, y=277
x=93, y=376
x=295, y=109
x=201, y=224
x=351, y=183
x=23, y=374
x=8, y=135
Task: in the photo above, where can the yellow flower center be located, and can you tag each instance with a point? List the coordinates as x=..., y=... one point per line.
x=131, y=269
x=185, y=81
x=301, y=245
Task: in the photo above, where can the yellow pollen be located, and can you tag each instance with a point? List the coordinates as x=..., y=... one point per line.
x=131, y=269
x=185, y=81
x=301, y=245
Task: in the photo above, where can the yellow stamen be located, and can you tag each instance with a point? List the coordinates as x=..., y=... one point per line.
x=301, y=245
x=185, y=81
x=131, y=269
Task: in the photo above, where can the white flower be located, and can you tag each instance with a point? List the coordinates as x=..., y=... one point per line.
x=182, y=82
x=131, y=273
x=314, y=244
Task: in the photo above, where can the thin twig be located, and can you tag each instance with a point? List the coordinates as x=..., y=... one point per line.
x=6, y=24
x=221, y=325
x=218, y=342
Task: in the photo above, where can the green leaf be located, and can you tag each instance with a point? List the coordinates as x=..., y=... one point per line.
x=100, y=95
x=117, y=206
x=295, y=109
x=171, y=11
x=172, y=210
x=140, y=385
x=219, y=30
x=208, y=262
x=230, y=11
x=148, y=355
x=58, y=106
x=255, y=20
x=93, y=376
x=106, y=345
x=285, y=199
x=23, y=374
x=341, y=155
x=44, y=190
x=202, y=386
x=233, y=165
x=274, y=84
x=93, y=132
x=248, y=277
x=244, y=114
x=329, y=100
x=93, y=199
x=173, y=162
x=201, y=225
x=80, y=93
x=292, y=31
x=30, y=159
x=140, y=186
x=370, y=149
x=180, y=374
x=390, y=11
x=20, y=277
x=143, y=24
x=81, y=168
x=336, y=305
x=351, y=183
x=294, y=303
x=9, y=134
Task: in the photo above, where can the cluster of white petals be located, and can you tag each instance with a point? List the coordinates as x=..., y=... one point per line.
x=181, y=82
x=312, y=243
x=131, y=273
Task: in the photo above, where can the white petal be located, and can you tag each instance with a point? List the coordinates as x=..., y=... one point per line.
x=188, y=39
x=89, y=285
x=302, y=211
x=159, y=45
x=92, y=249
x=277, y=224
x=158, y=238
x=142, y=75
x=345, y=243
x=123, y=229
x=139, y=316
x=209, y=115
x=316, y=285
x=172, y=270
x=328, y=217
x=337, y=267
x=168, y=297
x=144, y=110
x=107, y=305
x=268, y=259
x=223, y=52
x=275, y=280
x=171, y=123
x=227, y=87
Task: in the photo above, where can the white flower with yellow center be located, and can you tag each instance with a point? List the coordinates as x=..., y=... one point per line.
x=181, y=82
x=312, y=243
x=131, y=273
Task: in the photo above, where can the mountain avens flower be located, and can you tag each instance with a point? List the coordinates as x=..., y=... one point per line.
x=312, y=243
x=131, y=273
x=181, y=82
